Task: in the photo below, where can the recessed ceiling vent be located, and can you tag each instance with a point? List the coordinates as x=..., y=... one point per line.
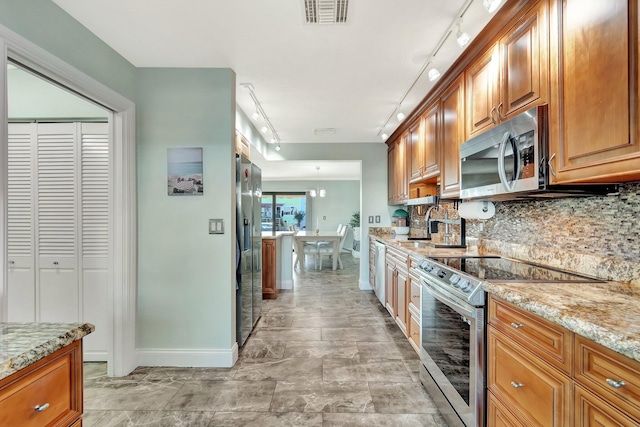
x=326, y=11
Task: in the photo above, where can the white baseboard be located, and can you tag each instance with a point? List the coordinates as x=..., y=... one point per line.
x=208, y=358
x=94, y=356
x=287, y=284
x=365, y=286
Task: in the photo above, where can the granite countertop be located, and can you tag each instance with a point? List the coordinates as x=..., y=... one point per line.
x=269, y=235
x=22, y=344
x=605, y=312
x=421, y=248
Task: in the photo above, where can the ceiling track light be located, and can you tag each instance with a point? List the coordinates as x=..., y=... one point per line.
x=401, y=116
x=278, y=147
x=463, y=39
x=260, y=112
x=384, y=136
x=433, y=72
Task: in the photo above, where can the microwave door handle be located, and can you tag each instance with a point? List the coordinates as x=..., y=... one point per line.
x=516, y=163
x=501, y=160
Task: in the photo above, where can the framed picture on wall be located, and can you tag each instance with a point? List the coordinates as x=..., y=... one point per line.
x=184, y=171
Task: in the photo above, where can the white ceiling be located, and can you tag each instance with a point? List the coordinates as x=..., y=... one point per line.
x=350, y=77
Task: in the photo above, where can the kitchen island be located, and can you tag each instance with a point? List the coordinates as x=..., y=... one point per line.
x=41, y=373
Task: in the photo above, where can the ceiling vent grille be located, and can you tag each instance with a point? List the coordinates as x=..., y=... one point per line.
x=326, y=11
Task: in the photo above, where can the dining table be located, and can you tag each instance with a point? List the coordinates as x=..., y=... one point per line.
x=304, y=236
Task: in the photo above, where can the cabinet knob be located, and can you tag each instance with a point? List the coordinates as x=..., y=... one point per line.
x=616, y=384
x=55, y=263
x=516, y=385
x=41, y=408
x=12, y=263
x=415, y=296
x=516, y=325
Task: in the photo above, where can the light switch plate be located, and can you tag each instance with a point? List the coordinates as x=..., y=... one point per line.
x=216, y=226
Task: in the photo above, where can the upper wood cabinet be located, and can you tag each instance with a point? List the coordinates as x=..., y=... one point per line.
x=452, y=104
x=512, y=74
x=397, y=176
x=416, y=140
x=425, y=138
x=594, y=98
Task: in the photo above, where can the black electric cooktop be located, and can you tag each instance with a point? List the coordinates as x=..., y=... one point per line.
x=504, y=269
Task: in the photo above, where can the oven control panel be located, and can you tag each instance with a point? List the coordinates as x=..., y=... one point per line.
x=455, y=282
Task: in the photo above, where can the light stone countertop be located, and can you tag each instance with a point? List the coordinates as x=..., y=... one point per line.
x=22, y=344
x=606, y=312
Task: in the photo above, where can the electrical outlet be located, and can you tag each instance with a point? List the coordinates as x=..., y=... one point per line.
x=377, y=219
x=371, y=219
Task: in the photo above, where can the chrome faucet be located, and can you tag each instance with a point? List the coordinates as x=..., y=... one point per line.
x=428, y=219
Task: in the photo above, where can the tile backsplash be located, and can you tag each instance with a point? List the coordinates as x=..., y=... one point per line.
x=602, y=229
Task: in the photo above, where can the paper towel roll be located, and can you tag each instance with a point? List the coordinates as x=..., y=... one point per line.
x=476, y=210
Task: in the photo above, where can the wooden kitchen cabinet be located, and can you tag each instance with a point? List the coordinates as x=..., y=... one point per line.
x=425, y=140
x=536, y=393
x=54, y=383
x=397, y=159
x=271, y=270
x=396, y=299
x=512, y=74
x=594, y=111
x=539, y=373
x=453, y=134
x=416, y=153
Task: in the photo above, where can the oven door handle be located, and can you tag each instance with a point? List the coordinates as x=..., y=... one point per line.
x=465, y=311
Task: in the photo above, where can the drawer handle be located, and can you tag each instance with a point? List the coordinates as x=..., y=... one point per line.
x=42, y=408
x=12, y=263
x=413, y=334
x=55, y=262
x=616, y=384
x=516, y=325
x=516, y=385
x=415, y=296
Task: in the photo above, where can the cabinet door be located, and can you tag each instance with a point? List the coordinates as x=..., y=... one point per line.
x=390, y=288
x=416, y=140
x=269, y=259
x=481, y=87
x=402, y=181
x=391, y=173
x=452, y=137
x=431, y=126
x=594, y=91
x=525, y=63
x=401, y=300
x=593, y=411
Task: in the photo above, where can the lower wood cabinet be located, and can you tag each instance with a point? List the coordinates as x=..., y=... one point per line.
x=271, y=274
x=47, y=393
x=541, y=374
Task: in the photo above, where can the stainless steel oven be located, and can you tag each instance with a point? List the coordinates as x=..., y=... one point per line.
x=453, y=327
x=452, y=348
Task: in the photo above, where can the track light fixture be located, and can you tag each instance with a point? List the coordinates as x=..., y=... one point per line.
x=433, y=74
x=401, y=116
x=463, y=39
x=268, y=127
x=384, y=136
x=278, y=147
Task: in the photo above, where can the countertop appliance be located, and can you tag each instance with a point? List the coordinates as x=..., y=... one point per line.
x=380, y=276
x=248, y=247
x=510, y=161
x=453, y=327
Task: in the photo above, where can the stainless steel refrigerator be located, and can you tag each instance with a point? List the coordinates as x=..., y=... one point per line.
x=248, y=247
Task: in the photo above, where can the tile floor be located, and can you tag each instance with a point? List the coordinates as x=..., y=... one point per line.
x=322, y=354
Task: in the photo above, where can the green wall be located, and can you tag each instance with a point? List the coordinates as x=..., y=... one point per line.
x=185, y=283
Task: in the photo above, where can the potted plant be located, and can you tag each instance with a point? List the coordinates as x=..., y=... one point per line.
x=355, y=224
x=299, y=216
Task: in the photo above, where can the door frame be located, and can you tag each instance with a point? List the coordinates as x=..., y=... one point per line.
x=122, y=268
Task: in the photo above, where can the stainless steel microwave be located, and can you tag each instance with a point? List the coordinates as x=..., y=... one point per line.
x=510, y=162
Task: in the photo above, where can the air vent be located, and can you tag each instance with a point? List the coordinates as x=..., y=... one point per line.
x=324, y=131
x=326, y=11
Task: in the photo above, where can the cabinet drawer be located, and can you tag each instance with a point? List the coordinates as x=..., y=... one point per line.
x=49, y=383
x=538, y=394
x=545, y=339
x=416, y=288
x=597, y=367
x=414, y=331
x=593, y=411
x=498, y=415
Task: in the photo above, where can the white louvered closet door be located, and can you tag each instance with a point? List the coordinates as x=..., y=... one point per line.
x=57, y=264
x=20, y=227
x=94, y=217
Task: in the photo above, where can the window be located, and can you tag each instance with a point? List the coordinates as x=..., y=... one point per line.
x=281, y=210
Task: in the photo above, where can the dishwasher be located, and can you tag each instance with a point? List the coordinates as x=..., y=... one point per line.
x=380, y=273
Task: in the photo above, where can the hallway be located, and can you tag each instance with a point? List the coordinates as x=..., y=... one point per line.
x=322, y=354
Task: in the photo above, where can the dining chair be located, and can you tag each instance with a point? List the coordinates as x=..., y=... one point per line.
x=327, y=250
